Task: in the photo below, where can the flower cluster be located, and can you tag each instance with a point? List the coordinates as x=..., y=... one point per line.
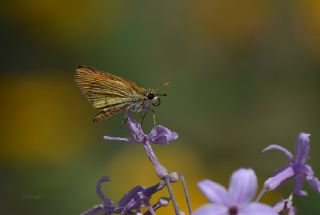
x=131, y=203
x=243, y=184
x=139, y=197
x=238, y=199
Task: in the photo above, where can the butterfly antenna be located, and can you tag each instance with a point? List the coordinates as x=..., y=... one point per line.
x=165, y=84
x=142, y=116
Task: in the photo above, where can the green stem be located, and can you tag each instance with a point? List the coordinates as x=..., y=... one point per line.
x=262, y=192
x=175, y=204
x=186, y=193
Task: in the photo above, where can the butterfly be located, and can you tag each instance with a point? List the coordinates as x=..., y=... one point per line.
x=112, y=94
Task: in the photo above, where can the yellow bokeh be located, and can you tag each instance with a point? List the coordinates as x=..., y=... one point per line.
x=230, y=22
x=308, y=22
x=42, y=120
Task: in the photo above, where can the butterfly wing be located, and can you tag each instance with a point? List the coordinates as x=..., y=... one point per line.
x=107, y=92
x=109, y=112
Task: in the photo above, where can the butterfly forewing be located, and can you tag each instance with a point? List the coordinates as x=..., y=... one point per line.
x=107, y=92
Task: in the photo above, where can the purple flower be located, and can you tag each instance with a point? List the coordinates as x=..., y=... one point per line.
x=159, y=134
x=237, y=200
x=97, y=209
x=285, y=206
x=107, y=203
x=133, y=201
x=297, y=168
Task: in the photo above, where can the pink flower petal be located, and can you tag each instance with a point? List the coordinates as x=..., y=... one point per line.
x=258, y=209
x=211, y=209
x=273, y=182
x=116, y=138
x=279, y=148
x=214, y=192
x=243, y=186
x=162, y=135
x=302, y=148
x=122, y=139
x=311, y=179
x=298, y=185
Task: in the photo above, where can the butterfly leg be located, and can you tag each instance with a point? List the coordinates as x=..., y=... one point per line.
x=153, y=115
x=127, y=114
x=143, y=115
x=125, y=118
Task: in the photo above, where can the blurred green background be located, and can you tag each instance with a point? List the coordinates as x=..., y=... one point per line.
x=243, y=74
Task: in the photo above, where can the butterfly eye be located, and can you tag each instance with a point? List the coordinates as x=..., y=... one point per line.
x=150, y=95
x=156, y=101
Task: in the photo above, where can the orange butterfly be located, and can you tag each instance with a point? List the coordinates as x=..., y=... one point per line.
x=111, y=94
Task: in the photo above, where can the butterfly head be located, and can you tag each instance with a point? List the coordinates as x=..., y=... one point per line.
x=153, y=97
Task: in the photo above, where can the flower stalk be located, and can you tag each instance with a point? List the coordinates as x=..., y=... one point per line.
x=158, y=135
x=161, y=171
